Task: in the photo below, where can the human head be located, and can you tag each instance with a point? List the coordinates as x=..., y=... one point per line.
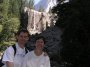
x=40, y=37
x=24, y=31
x=39, y=42
x=22, y=36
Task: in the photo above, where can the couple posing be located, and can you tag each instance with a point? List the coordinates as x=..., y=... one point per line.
x=19, y=58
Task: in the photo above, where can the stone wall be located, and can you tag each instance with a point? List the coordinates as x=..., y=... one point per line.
x=38, y=21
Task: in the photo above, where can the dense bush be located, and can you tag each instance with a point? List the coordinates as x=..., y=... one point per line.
x=73, y=18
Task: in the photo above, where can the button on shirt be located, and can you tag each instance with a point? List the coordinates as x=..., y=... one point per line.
x=17, y=59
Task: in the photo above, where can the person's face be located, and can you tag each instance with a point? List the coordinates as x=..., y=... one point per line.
x=39, y=44
x=22, y=38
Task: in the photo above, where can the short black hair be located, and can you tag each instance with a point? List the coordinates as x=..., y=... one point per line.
x=40, y=37
x=23, y=30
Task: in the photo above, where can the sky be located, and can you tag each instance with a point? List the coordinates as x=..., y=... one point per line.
x=46, y=4
x=36, y=1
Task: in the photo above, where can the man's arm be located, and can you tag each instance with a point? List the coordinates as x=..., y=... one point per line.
x=8, y=57
x=9, y=64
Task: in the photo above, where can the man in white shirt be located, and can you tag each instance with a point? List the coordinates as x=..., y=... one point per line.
x=36, y=58
x=15, y=61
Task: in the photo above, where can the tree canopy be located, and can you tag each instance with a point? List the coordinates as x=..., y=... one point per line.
x=73, y=20
x=9, y=19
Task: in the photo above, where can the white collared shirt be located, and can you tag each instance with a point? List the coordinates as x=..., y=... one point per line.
x=17, y=59
x=31, y=60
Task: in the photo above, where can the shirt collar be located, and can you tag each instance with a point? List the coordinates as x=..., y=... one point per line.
x=18, y=47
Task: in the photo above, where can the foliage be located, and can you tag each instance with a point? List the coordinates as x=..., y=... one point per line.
x=9, y=29
x=73, y=19
x=4, y=45
x=24, y=15
x=0, y=28
x=23, y=20
x=29, y=4
x=9, y=19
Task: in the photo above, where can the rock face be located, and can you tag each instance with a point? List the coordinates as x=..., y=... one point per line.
x=53, y=39
x=38, y=21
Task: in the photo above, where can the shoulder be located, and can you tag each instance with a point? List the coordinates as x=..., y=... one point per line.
x=9, y=50
x=29, y=54
x=8, y=54
x=47, y=59
x=45, y=55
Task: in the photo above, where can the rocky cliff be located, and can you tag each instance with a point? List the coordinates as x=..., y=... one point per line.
x=38, y=21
